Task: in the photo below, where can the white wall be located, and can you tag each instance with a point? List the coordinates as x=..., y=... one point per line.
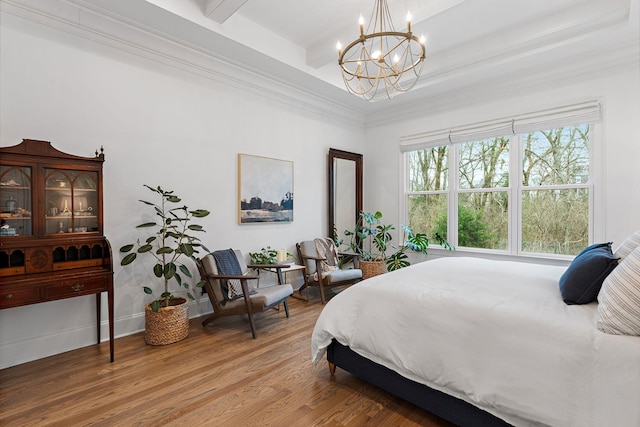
x=159, y=125
x=181, y=126
x=617, y=139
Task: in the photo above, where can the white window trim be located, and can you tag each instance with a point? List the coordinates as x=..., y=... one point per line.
x=588, y=112
x=569, y=115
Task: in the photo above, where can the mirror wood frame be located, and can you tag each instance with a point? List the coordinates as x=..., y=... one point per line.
x=344, y=155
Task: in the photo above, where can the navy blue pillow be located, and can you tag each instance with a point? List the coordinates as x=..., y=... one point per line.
x=583, y=279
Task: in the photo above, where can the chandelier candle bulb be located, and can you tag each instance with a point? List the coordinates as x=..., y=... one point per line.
x=409, y=22
x=361, y=22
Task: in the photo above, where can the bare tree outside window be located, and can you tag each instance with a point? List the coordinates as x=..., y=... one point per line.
x=555, y=196
x=428, y=184
x=552, y=192
x=483, y=216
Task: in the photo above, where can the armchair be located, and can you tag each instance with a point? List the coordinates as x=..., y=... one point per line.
x=322, y=267
x=251, y=301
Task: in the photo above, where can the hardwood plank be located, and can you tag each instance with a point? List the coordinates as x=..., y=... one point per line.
x=217, y=376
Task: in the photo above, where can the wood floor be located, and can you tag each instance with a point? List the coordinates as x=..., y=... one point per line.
x=218, y=376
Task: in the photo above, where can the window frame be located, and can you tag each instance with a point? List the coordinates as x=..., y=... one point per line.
x=515, y=191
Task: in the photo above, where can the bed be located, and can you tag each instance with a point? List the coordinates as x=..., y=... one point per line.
x=483, y=342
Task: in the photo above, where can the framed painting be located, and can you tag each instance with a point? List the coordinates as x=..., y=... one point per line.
x=265, y=189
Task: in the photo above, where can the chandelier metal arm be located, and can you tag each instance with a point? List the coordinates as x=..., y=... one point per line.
x=384, y=59
x=364, y=37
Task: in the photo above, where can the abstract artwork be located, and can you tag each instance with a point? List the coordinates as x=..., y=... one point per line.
x=265, y=190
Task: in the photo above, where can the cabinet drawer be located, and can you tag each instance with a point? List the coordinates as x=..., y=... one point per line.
x=14, y=297
x=75, y=287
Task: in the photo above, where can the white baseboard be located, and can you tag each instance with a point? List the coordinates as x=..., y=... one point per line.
x=31, y=348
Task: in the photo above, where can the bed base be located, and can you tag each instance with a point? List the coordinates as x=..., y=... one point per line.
x=439, y=403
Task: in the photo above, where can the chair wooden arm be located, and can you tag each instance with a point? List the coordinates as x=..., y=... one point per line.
x=351, y=254
x=317, y=258
x=231, y=276
x=266, y=266
x=355, y=258
x=277, y=267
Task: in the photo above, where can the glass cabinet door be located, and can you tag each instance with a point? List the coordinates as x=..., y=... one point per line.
x=15, y=201
x=71, y=201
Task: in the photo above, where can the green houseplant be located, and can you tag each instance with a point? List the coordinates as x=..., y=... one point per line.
x=266, y=256
x=172, y=239
x=372, y=241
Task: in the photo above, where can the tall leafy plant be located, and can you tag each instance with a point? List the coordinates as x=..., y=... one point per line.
x=172, y=239
x=372, y=240
x=417, y=242
x=370, y=237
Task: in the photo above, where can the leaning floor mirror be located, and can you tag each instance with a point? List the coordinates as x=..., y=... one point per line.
x=345, y=191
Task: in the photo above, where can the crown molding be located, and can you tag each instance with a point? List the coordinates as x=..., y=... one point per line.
x=609, y=60
x=463, y=76
x=87, y=22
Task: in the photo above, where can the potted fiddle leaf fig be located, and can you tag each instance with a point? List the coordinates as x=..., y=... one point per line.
x=172, y=239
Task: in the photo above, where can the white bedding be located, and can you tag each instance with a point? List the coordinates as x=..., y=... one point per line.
x=493, y=333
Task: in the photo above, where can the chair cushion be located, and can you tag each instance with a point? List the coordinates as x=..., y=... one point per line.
x=308, y=248
x=272, y=294
x=619, y=299
x=342, y=275
x=263, y=298
x=210, y=267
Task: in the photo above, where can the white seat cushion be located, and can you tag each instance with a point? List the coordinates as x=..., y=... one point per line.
x=273, y=294
x=342, y=275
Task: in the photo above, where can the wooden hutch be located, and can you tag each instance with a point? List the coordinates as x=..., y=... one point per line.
x=52, y=243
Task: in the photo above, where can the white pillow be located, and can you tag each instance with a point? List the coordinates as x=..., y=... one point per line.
x=619, y=298
x=629, y=244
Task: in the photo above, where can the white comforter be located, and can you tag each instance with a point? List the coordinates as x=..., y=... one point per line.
x=493, y=333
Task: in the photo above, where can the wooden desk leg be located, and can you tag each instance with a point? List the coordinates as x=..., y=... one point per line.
x=98, y=311
x=111, y=343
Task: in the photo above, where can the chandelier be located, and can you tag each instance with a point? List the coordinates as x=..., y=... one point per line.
x=383, y=61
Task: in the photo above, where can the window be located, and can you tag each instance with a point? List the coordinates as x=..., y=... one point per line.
x=427, y=199
x=555, y=190
x=464, y=190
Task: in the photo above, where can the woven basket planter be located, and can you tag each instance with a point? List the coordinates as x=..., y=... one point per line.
x=372, y=268
x=168, y=325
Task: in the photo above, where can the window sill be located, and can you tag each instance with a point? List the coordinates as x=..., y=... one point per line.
x=437, y=252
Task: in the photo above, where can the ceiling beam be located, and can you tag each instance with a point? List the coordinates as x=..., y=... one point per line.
x=221, y=10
